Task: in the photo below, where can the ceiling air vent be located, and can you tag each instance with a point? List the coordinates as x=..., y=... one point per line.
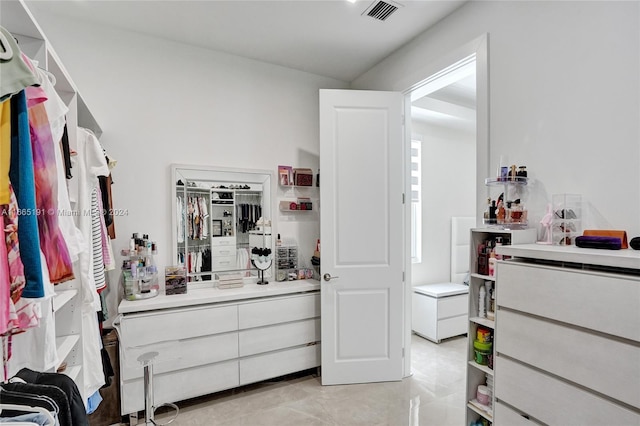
x=381, y=10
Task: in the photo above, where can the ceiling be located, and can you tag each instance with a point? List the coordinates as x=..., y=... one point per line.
x=330, y=38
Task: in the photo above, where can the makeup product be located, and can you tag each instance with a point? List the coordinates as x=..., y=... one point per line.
x=503, y=168
x=481, y=302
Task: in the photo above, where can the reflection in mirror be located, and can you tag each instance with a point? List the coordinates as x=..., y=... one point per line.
x=219, y=216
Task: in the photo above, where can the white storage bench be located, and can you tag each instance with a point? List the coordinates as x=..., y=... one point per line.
x=439, y=311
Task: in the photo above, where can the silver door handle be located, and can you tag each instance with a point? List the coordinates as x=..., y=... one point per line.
x=328, y=277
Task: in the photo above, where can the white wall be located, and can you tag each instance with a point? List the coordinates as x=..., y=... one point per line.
x=160, y=102
x=564, y=96
x=448, y=189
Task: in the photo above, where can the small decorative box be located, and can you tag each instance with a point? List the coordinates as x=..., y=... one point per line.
x=303, y=177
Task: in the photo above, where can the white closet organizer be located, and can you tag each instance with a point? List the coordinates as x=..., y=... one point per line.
x=16, y=17
x=479, y=374
x=568, y=336
x=211, y=340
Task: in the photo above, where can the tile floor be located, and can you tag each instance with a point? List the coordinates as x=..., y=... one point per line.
x=433, y=395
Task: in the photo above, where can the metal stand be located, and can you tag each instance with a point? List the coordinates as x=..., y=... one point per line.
x=146, y=360
x=262, y=266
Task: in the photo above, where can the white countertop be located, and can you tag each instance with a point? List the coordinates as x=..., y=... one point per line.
x=201, y=296
x=626, y=258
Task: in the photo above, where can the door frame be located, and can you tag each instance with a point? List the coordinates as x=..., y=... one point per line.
x=478, y=47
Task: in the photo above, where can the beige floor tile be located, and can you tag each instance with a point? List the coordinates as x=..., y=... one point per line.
x=432, y=396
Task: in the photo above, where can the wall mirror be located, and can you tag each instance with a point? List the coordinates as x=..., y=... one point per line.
x=219, y=215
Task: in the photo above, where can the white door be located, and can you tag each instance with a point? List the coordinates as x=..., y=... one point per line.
x=362, y=234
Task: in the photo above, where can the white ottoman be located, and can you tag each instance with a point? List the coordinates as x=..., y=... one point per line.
x=440, y=310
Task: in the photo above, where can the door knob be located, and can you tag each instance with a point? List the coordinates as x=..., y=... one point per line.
x=328, y=277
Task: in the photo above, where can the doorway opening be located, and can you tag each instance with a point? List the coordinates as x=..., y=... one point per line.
x=453, y=163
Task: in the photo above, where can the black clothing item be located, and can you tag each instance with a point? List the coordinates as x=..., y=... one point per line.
x=66, y=153
x=51, y=398
x=206, y=263
x=106, y=202
x=107, y=368
x=78, y=413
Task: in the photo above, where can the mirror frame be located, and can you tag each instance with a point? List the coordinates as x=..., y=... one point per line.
x=222, y=175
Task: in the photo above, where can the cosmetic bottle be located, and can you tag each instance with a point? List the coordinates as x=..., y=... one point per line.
x=498, y=243
x=507, y=212
x=522, y=171
x=481, y=302
x=487, y=211
x=278, y=241
x=492, y=263
x=500, y=214
x=516, y=212
x=492, y=213
x=503, y=168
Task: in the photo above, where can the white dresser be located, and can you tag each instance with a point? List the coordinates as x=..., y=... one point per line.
x=209, y=339
x=439, y=311
x=567, y=336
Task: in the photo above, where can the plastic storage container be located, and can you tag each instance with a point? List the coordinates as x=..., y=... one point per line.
x=482, y=351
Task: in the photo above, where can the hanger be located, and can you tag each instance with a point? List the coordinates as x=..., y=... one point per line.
x=26, y=408
x=6, y=52
x=50, y=75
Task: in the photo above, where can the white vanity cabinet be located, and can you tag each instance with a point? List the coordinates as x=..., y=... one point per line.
x=210, y=340
x=567, y=336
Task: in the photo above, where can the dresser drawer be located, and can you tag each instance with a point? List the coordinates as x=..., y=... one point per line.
x=177, y=324
x=453, y=326
x=609, y=366
x=223, y=241
x=453, y=306
x=583, y=298
x=503, y=415
x=274, y=364
x=264, y=339
x=223, y=262
x=553, y=401
x=180, y=385
x=221, y=251
x=268, y=312
x=183, y=354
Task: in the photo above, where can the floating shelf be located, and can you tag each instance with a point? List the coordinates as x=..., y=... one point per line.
x=62, y=298
x=295, y=206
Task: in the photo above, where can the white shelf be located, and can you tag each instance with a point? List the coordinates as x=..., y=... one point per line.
x=73, y=371
x=476, y=373
x=65, y=344
x=480, y=367
x=478, y=409
x=484, y=277
x=62, y=298
x=483, y=321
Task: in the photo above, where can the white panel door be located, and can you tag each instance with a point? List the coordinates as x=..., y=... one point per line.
x=362, y=235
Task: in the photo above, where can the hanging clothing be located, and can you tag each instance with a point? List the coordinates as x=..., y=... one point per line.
x=78, y=415
x=48, y=397
x=56, y=112
x=16, y=75
x=107, y=252
x=51, y=240
x=36, y=348
x=5, y=290
x=5, y=150
x=180, y=216
x=23, y=182
x=35, y=93
x=96, y=236
x=90, y=163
